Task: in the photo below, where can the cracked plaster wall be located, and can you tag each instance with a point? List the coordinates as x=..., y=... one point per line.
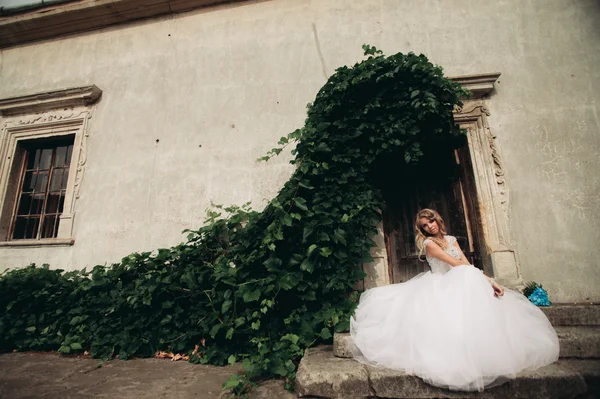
x=219, y=86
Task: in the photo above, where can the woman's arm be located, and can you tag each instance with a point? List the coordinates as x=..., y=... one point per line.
x=498, y=290
x=462, y=255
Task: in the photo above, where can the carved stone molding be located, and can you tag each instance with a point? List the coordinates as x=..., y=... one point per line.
x=492, y=193
x=479, y=85
x=21, y=124
x=33, y=103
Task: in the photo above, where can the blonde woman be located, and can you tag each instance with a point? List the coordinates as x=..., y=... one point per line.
x=452, y=326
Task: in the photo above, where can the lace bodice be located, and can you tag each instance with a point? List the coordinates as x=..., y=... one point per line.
x=437, y=265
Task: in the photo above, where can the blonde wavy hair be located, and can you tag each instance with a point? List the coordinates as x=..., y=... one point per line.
x=421, y=235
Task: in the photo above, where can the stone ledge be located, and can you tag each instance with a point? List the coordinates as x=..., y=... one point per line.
x=479, y=85
x=86, y=15
x=320, y=374
x=52, y=242
x=72, y=97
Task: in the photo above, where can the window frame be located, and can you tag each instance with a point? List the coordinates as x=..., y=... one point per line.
x=51, y=115
x=30, y=148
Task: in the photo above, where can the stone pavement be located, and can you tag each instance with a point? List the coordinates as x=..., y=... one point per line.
x=50, y=376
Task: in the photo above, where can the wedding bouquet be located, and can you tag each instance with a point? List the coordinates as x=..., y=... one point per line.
x=536, y=294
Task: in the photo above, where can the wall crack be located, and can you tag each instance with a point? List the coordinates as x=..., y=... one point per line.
x=318, y=44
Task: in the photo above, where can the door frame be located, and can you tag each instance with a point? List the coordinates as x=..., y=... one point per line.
x=497, y=250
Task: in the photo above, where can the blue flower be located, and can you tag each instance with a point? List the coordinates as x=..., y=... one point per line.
x=539, y=297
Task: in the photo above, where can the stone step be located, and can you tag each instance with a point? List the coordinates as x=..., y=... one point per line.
x=579, y=341
x=573, y=315
x=590, y=371
x=321, y=374
x=575, y=342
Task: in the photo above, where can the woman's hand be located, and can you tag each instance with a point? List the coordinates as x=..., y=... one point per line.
x=498, y=290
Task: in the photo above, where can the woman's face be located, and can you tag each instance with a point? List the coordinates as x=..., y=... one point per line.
x=429, y=226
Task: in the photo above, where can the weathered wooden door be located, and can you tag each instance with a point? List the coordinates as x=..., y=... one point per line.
x=445, y=187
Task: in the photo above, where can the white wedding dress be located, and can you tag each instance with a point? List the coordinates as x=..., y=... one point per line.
x=447, y=327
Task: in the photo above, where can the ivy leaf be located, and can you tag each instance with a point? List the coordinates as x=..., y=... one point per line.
x=311, y=249
x=279, y=369
x=296, y=259
x=301, y=203
x=239, y=321
x=293, y=338
x=325, y=251
x=231, y=359
x=272, y=263
x=366, y=258
x=288, y=281
x=232, y=382
x=339, y=236
x=309, y=296
x=278, y=234
x=325, y=333
x=287, y=220
x=250, y=296
x=307, y=232
x=215, y=330
x=226, y=306
x=307, y=266
x=343, y=326
x=306, y=185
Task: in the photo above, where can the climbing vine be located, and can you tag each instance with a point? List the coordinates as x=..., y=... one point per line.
x=256, y=287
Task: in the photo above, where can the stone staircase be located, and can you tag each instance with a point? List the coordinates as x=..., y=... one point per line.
x=330, y=372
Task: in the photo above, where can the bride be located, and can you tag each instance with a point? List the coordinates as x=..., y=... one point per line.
x=453, y=326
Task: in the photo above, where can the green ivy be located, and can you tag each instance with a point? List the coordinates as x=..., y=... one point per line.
x=256, y=287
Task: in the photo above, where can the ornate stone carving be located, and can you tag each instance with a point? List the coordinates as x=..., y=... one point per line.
x=81, y=160
x=51, y=116
x=499, y=170
x=492, y=192
x=477, y=113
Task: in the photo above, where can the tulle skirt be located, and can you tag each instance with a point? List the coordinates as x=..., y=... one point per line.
x=451, y=331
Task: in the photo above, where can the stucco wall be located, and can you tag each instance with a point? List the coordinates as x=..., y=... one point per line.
x=218, y=87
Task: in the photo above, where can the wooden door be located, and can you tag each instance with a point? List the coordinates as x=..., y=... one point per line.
x=444, y=187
